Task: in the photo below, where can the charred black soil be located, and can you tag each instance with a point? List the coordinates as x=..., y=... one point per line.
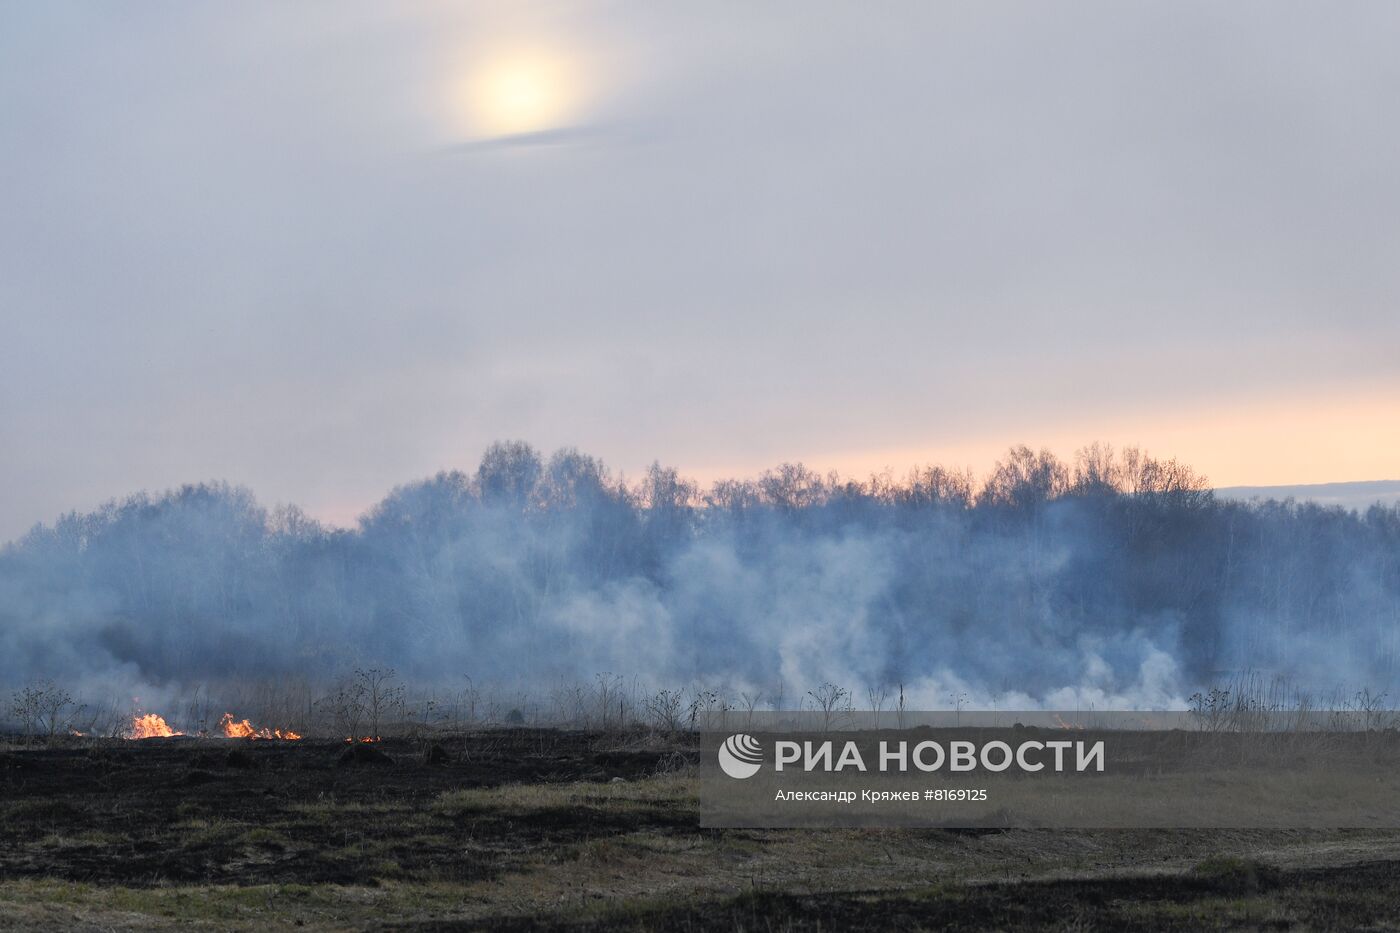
x=216, y=811
x=542, y=830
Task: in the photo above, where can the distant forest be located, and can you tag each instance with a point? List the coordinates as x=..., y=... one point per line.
x=1116, y=576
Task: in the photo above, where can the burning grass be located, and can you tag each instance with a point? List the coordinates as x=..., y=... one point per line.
x=150, y=726
x=155, y=726
x=243, y=729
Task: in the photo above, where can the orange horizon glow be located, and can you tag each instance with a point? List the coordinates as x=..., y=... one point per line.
x=1343, y=437
x=1350, y=435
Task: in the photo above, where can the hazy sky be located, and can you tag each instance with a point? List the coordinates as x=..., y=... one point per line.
x=324, y=248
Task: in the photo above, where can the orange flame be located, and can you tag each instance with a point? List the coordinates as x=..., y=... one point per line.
x=1065, y=725
x=351, y=738
x=237, y=730
x=243, y=729
x=150, y=726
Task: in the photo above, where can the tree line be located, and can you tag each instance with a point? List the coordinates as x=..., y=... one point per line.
x=1112, y=570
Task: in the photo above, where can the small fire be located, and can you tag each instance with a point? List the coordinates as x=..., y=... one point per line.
x=1065, y=725
x=150, y=726
x=351, y=738
x=243, y=729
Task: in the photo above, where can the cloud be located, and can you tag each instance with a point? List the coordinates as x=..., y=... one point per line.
x=584, y=134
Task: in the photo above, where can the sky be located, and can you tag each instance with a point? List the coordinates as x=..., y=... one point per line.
x=322, y=248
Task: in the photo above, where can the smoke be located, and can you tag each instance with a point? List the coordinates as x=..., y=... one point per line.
x=1112, y=582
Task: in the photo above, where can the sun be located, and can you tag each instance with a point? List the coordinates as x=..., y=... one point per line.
x=520, y=92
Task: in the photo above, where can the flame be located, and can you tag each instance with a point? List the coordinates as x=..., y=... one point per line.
x=237, y=730
x=150, y=726
x=351, y=738
x=243, y=729
x=1065, y=725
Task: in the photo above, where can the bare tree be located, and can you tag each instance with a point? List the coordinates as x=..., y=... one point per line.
x=364, y=701
x=705, y=700
x=346, y=708
x=381, y=693
x=827, y=699
x=44, y=709
x=664, y=710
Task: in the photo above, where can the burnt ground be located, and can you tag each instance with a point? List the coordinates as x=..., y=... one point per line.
x=1234, y=894
x=220, y=811
x=541, y=830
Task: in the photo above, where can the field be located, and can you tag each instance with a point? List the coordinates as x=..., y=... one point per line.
x=537, y=829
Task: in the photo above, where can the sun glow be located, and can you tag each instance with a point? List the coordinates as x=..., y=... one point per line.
x=523, y=91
